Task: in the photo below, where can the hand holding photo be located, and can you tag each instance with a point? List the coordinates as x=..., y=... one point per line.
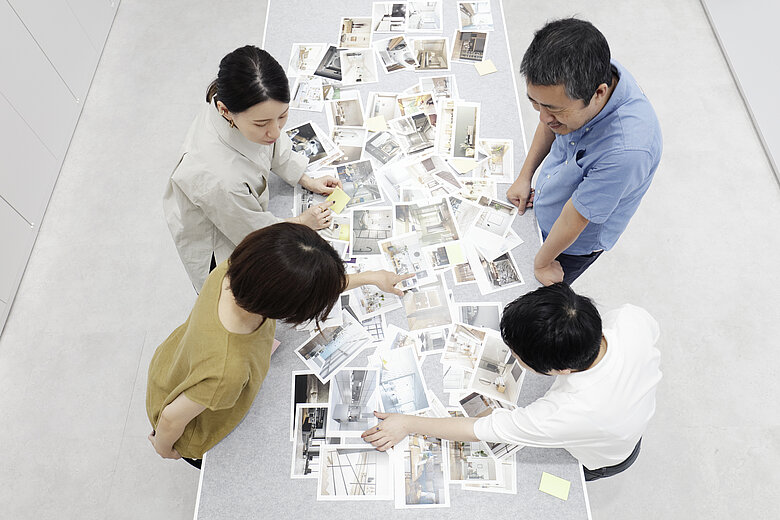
x=339, y=199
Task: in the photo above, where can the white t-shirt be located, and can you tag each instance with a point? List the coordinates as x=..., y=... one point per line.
x=597, y=415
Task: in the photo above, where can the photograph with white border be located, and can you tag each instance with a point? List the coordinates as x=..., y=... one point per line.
x=424, y=17
x=306, y=389
x=431, y=54
x=402, y=387
x=475, y=16
x=421, y=473
x=355, y=473
x=305, y=57
x=310, y=427
x=354, y=396
x=395, y=54
x=358, y=67
x=355, y=33
x=388, y=17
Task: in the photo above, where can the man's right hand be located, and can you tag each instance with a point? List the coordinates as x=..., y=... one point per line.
x=521, y=194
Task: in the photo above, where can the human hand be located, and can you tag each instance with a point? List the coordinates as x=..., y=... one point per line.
x=386, y=281
x=549, y=274
x=323, y=185
x=392, y=428
x=164, y=452
x=521, y=194
x=317, y=216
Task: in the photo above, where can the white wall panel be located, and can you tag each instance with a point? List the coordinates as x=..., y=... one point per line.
x=16, y=239
x=96, y=17
x=33, y=87
x=28, y=170
x=60, y=35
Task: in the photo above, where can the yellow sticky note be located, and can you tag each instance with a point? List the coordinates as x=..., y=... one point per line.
x=455, y=253
x=485, y=67
x=555, y=486
x=339, y=199
x=463, y=165
x=376, y=124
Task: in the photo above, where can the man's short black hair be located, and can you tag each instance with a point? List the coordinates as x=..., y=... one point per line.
x=568, y=52
x=553, y=328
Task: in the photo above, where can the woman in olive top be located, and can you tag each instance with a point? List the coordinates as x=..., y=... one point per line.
x=218, y=191
x=204, y=377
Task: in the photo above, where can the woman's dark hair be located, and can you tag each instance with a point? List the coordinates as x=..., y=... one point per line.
x=553, y=328
x=286, y=272
x=568, y=52
x=248, y=76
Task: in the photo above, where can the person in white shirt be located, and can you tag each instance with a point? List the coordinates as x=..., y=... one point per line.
x=601, y=401
x=218, y=191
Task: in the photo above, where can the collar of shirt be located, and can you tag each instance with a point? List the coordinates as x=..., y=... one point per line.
x=233, y=138
x=577, y=381
x=618, y=97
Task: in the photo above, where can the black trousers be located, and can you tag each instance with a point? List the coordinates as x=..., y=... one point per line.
x=595, y=474
x=193, y=462
x=574, y=265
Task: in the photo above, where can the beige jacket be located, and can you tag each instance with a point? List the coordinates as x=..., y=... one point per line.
x=217, y=194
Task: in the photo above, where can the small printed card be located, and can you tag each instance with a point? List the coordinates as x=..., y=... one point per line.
x=376, y=124
x=555, y=486
x=339, y=199
x=485, y=67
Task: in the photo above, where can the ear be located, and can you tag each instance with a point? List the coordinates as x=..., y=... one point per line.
x=222, y=109
x=601, y=91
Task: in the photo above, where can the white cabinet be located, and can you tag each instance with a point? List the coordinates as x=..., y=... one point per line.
x=59, y=34
x=96, y=17
x=28, y=169
x=32, y=86
x=16, y=240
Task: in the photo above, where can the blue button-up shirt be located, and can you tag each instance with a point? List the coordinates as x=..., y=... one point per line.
x=605, y=168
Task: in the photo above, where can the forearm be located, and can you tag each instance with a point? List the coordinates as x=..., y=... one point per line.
x=454, y=428
x=168, y=430
x=356, y=280
x=564, y=232
x=540, y=147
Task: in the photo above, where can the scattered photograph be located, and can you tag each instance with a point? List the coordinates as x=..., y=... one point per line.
x=306, y=389
x=432, y=341
x=307, y=94
x=427, y=307
x=471, y=461
x=456, y=379
x=354, y=396
x=368, y=301
x=469, y=46
x=445, y=122
x=334, y=319
x=478, y=405
x=303, y=199
x=442, y=87
x=495, y=218
x=445, y=255
x=466, y=213
x=475, y=16
x=355, y=473
x=424, y=17
x=463, y=273
x=310, y=433
x=431, y=54
x=401, y=384
x=359, y=182
x=382, y=104
x=494, y=275
x=369, y=226
x=331, y=89
x=358, y=66
x=433, y=221
x=499, y=158
x=330, y=64
x=473, y=189
x=331, y=349
x=395, y=54
x=485, y=315
x=341, y=247
x=403, y=255
x=492, y=249
x=465, y=130
x=396, y=337
x=350, y=141
x=355, y=33
x=311, y=141
x=497, y=375
x=414, y=133
x=339, y=228
x=305, y=57
x=424, y=176
x=345, y=112
x=388, y=17
x=375, y=327
x=462, y=347
x=507, y=473
x=384, y=147
x=421, y=473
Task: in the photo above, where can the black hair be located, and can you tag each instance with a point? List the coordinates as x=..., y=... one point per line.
x=570, y=52
x=248, y=76
x=553, y=328
x=286, y=272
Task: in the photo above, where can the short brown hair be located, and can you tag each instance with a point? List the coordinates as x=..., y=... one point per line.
x=286, y=272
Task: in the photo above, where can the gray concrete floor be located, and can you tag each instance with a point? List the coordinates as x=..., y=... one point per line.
x=104, y=284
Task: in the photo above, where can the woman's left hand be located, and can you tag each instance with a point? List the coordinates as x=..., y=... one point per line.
x=323, y=185
x=386, y=281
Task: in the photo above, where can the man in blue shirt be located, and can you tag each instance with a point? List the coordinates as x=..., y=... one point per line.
x=600, y=142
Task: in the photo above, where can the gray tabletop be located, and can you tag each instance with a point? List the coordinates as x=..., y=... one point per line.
x=247, y=475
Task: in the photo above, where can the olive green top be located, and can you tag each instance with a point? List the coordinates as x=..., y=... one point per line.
x=216, y=368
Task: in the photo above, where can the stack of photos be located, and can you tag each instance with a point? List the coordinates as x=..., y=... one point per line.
x=369, y=227
x=358, y=67
x=403, y=255
x=424, y=17
x=388, y=17
x=402, y=386
x=497, y=374
x=355, y=473
x=433, y=221
x=359, y=182
x=414, y=133
x=421, y=473
x=305, y=57
x=395, y=54
x=355, y=33
x=431, y=54
x=475, y=16
x=469, y=46
x=311, y=141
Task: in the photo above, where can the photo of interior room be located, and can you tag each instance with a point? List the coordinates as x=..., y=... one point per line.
x=462, y=347
x=355, y=33
x=431, y=53
x=498, y=375
x=402, y=387
x=382, y=104
x=388, y=17
x=383, y=146
x=306, y=388
x=424, y=16
x=354, y=396
x=501, y=272
x=350, y=141
x=456, y=379
x=475, y=16
x=332, y=348
x=359, y=182
x=310, y=434
x=469, y=46
x=330, y=64
x=426, y=306
x=369, y=226
x=464, y=134
x=304, y=58
x=355, y=474
x=433, y=340
x=358, y=66
x=499, y=157
x=415, y=133
x=496, y=217
x=478, y=314
x=424, y=475
x=433, y=222
x=307, y=94
x=442, y=87
x=471, y=462
x=403, y=254
x=305, y=140
x=345, y=112
x=395, y=54
x=463, y=273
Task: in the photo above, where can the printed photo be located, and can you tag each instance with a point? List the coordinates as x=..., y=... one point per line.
x=462, y=347
x=345, y=112
x=388, y=17
x=330, y=65
x=478, y=405
x=465, y=130
x=403, y=255
x=350, y=141
x=425, y=176
x=368, y=301
x=471, y=461
x=473, y=189
x=414, y=133
x=465, y=211
x=401, y=384
x=358, y=66
x=431, y=54
x=496, y=217
x=306, y=389
x=382, y=104
x=445, y=255
x=442, y=87
x=339, y=228
x=421, y=473
x=427, y=306
x=469, y=46
x=369, y=226
x=311, y=141
x=397, y=337
x=456, y=379
x=463, y=273
x=341, y=247
x=384, y=147
x=499, y=158
x=309, y=438
x=359, y=182
x=507, y=483
x=395, y=54
x=375, y=327
x=334, y=347
x=433, y=222
x=445, y=122
x=355, y=33
x=354, y=396
x=304, y=58
x=424, y=17
x=494, y=275
x=498, y=375
x=307, y=94
x=479, y=314
x=355, y=473
x=432, y=341
x=475, y=16
x=418, y=103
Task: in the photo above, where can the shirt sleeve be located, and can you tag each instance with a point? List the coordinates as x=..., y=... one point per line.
x=608, y=181
x=535, y=425
x=287, y=164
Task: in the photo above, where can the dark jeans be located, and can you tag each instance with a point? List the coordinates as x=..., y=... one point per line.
x=595, y=474
x=195, y=462
x=574, y=265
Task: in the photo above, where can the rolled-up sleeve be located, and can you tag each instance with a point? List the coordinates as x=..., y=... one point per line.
x=286, y=163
